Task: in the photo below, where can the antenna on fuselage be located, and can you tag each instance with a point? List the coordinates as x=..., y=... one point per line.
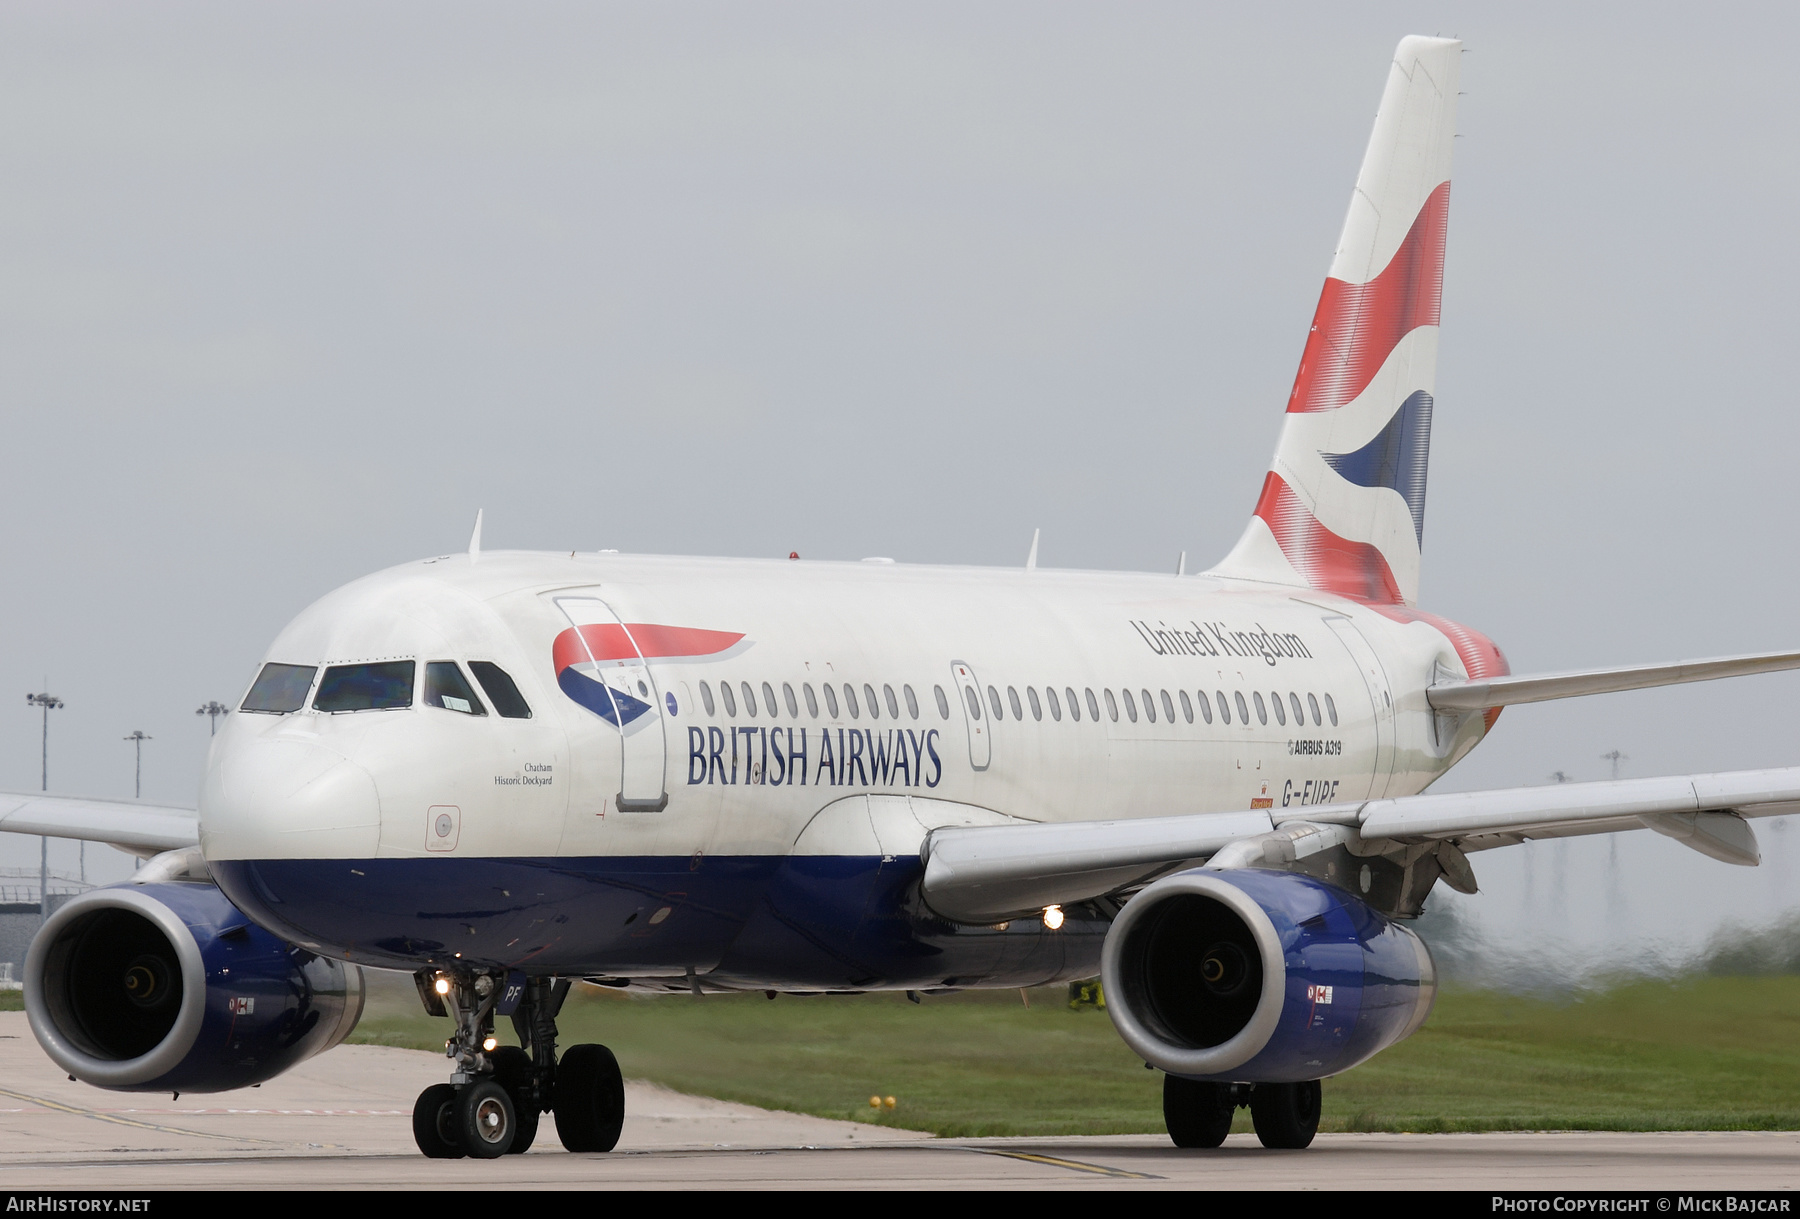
x=1031, y=559
x=475, y=538
x=1181, y=564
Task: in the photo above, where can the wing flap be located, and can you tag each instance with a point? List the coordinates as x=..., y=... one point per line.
x=1532, y=811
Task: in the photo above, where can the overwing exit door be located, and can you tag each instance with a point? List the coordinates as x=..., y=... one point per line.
x=600, y=666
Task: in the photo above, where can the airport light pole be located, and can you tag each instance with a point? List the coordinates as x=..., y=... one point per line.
x=213, y=710
x=138, y=738
x=49, y=703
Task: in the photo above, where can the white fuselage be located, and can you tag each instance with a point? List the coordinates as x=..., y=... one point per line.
x=434, y=785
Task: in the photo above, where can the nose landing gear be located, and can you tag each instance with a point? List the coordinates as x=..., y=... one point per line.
x=496, y=1094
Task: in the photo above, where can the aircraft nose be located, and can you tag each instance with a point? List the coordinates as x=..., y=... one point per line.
x=277, y=797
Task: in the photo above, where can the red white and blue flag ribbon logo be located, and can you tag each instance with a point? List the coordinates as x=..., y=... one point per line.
x=586, y=656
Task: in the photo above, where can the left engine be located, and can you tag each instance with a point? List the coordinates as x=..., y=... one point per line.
x=1253, y=976
x=168, y=987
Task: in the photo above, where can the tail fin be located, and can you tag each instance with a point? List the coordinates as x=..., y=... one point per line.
x=1343, y=507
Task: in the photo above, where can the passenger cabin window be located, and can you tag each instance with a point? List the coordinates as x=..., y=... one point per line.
x=1169, y=708
x=728, y=699
x=1313, y=702
x=749, y=699
x=1074, y=704
x=942, y=701
x=850, y=701
x=1225, y=707
x=1093, y=703
x=1012, y=698
x=279, y=689
x=812, y=700
x=787, y=696
x=994, y=702
x=501, y=691
x=1205, y=706
x=387, y=686
x=446, y=687
x=1299, y=715
x=912, y=701
x=1112, y=706
x=1130, y=705
x=893, y=704
x=1187, y=708
x=1331, y=707
x=831, y=704
x=1237, y=696
x=1055, y=706
x=1037, y=708
x=870, y=699
x=974, y=701
x=707, y=698
x=769, y=699
x=1280, y=712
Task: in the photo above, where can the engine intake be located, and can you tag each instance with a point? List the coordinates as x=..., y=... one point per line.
x=169, y=987
x=1255, y=976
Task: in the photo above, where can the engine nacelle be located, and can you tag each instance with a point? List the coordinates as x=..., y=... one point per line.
x=168, y=987
x=1253, y=976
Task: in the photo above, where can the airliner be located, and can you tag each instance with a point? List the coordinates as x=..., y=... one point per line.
x=508, y=772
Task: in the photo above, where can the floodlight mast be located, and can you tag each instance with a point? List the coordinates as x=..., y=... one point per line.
x=48, y=702
x=213, y=710
x=138, y=738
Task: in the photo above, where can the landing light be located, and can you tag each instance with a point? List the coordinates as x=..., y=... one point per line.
x=1053, y=917
x=441, y=986
x=491, y=1044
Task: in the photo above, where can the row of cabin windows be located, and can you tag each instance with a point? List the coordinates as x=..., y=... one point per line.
x=385, y=686
x=855, y=705
x=1148, y=702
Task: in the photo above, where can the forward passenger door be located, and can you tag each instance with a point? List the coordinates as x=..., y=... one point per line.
x=600, y=666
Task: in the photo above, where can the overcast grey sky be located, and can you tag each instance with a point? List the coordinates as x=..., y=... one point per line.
x=289, y=290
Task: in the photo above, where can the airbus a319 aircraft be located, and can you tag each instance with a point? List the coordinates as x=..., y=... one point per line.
x=506, y=772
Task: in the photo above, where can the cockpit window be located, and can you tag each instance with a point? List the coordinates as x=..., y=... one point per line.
x=446, y=687
x=280, y=689
x=501, y=692
x=378, y=687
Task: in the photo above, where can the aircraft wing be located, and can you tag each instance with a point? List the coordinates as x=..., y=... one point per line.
x=988, y=873
x=131, y=825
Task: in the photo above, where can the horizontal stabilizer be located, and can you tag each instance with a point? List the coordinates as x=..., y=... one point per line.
x=132, y=826
x=1541, y=687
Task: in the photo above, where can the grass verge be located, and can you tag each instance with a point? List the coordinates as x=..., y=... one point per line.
x=1713, y=1053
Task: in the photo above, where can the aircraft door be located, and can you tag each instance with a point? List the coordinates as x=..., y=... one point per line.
x=974, y=715
x=606, y=673
x=1381, y=699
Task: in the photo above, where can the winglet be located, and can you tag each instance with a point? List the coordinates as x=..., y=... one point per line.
x=1031, y=559
x=475, y=538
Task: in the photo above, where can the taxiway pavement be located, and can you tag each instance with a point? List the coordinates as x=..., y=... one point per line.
x=343, y=1121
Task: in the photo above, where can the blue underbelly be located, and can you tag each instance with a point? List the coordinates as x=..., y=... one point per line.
x=803, y=922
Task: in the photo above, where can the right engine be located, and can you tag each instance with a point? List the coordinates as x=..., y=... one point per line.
x=168, y=987
x=1252, y=976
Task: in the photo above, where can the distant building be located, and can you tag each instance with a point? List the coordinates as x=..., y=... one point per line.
x=21, y=915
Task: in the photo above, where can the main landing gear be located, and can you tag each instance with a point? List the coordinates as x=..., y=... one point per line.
x=496, y=1093
x=1199, y=1114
